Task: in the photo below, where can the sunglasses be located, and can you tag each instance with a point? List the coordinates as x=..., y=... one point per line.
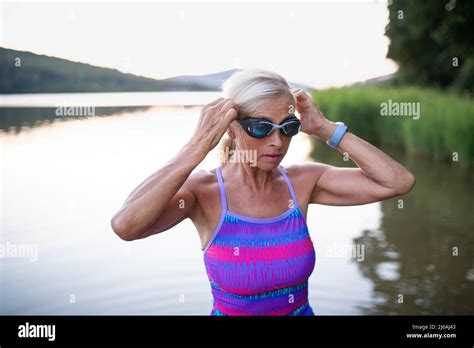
x=262, y=127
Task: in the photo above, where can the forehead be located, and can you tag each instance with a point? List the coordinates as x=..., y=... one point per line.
x=276, y=109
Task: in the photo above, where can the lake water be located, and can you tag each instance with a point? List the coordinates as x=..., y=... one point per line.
x=64, y=178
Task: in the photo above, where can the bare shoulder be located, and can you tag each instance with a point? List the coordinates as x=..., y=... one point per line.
x=304, y=178
x=204, y=186
x=305, y=174
x=203, y=183
x=202, y=177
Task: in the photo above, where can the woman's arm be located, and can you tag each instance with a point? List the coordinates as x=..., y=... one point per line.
x=165, y=198
x=145, y=204
x=378, y=177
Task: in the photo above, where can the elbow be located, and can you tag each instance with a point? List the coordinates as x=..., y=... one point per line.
x=407, y=184
x=120, y=228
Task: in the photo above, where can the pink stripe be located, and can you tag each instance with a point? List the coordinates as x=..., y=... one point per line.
x=256, y=253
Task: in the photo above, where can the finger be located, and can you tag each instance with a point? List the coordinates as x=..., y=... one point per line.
x=226, y=102
x=230, y=115
x=220, y=104
x=226, y=106
x=215, y=102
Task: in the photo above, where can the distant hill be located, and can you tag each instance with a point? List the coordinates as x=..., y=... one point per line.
x=214, y=81
x=380, y=80
x=44, y=74
x=210, y=81
x=27, y=72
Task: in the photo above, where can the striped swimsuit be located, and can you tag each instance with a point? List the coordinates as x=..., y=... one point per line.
x=260, y=266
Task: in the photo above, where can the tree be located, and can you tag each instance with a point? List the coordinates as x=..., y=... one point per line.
x=433, y=42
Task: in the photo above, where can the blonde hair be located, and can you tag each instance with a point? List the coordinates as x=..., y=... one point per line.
x=250, y=90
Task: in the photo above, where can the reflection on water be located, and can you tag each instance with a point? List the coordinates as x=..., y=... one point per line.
x=62, y=182
x=430, y=245
x=42, y=100
x=16, y=119
x=421, y=257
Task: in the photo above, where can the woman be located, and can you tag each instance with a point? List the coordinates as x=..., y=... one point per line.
x=250, y=213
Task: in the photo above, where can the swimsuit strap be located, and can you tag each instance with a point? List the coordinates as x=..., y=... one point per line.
x=288, y=182
x=221, y=189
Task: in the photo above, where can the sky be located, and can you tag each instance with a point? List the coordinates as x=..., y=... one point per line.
x=317, y=43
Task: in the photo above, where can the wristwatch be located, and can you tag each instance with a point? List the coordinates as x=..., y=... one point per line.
x=335, y=139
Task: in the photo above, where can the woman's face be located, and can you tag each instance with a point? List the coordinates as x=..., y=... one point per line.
x=278, y=109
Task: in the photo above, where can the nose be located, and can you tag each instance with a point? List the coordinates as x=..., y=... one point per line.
x=275, y=138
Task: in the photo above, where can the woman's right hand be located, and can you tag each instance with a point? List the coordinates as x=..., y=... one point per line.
x=213, y=122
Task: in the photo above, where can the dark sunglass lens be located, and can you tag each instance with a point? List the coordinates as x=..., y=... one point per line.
x=259, y=130
x=291, y=129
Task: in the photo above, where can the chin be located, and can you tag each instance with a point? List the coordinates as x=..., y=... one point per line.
x=267, y=165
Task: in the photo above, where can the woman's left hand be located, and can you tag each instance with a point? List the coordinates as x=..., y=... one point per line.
x=312, y=119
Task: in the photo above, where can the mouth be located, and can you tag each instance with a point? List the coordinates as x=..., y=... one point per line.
x=271, y=157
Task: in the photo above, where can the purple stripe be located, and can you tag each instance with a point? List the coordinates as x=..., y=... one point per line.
x=262, y=220
x=290, y=186
x=223, y=208
x=221, y=189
